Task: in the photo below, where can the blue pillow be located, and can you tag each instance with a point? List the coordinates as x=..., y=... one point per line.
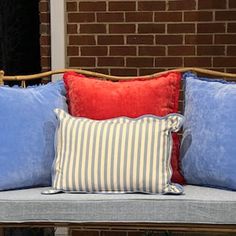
x=208, y=149
x=27, y=129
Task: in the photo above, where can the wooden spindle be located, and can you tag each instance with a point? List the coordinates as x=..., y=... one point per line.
x=1, y=77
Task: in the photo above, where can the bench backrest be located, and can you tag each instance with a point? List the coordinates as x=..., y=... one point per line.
x=199, y=71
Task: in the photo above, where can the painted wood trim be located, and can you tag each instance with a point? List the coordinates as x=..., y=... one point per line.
x=58, y=52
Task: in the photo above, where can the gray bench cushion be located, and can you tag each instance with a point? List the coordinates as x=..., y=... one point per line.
x=198, y=205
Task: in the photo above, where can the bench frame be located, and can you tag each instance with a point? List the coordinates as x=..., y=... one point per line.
x=126, y=226
x=24, y=78
x=120, y=226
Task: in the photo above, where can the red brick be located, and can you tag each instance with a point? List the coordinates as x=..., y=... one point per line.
x=181, y=28
x=182, y=5
x=81, y=62
x=211, y=27
x=169, y=39
x=122, y=6
x=138, y=16
x=44, y=40
x=210, y=50
x=82, y=40
x=92, y=6
x=151, y=5
x=225, y=39
x=43, y=6
x=124, y=72
x=45, y=61
x=110, y=17
x=231, y=50
x=92, y=28
x=199, y=39
x=225, y=15
x=111, y=61
x=231, y=70
x=93, y=51
x=168, y=16
x=81, y=17
x=140, y=39
x=45, y=51
x=110, y=39
x=232, y=4
x=231, y=27
x=152, y=51
x=224, y=61
x=197, y=61
x=168, y=62
x=44, y=17
x=198, y=16
x=139, y=61
x=211, y=4
x=72, y=29
x=181, y=50
x=145, y=71
x=151, y=28
x=71, y=6
x=122, y=28
x=122, y=50
x=72, y=51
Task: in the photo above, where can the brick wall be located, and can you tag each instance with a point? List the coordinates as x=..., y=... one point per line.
x=141, y=37
x=45, y=34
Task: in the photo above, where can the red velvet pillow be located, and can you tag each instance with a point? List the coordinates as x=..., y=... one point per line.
x=99, y=99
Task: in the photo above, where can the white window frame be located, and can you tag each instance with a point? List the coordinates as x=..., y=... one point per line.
x=58, y=25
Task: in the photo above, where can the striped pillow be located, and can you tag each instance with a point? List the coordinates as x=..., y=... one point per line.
x=115, y=155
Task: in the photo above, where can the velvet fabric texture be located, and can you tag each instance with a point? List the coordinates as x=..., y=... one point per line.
x=27, y=130
x=99, y=99
x=208, y=149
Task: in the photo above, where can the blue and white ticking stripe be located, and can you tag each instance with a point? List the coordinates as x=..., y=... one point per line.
x=115, y=155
